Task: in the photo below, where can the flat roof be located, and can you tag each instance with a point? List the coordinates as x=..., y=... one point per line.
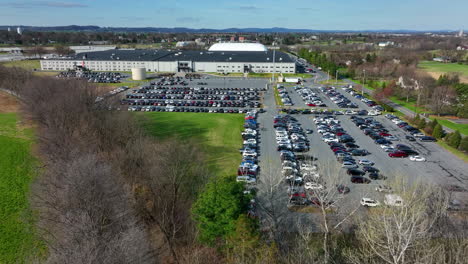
x=183, y=55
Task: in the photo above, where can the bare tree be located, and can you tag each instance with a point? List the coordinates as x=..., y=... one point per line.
x=395, y=234
x=86, y=216
x=335, y=211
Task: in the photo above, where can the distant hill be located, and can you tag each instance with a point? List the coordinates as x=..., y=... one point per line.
x=204, y=30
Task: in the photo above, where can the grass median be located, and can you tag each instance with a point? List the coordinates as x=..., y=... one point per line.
x=218, y=135
x=18, y=240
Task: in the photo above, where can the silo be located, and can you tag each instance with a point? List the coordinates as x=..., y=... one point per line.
x=138, y=74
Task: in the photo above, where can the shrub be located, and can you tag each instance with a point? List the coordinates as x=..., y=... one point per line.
x=438, y=132
x=422, y=123
x=218, y=207
x=455, y=139
x=464, y=144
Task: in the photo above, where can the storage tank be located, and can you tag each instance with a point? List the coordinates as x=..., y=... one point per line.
x=138, y=74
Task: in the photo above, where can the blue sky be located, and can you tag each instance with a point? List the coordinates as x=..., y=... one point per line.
x=218, y=14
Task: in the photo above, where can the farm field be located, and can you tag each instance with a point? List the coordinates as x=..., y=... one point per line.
x=219, y=135
x=437, y=68
x=18, y=243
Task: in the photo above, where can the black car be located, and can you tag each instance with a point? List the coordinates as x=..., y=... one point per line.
x=370, y=169
x=359, y=152
x=410, y=151
x=343, y=189
x=427, y=139
x=355, y=172
x=351, y=145
x=376, y=176
x=359, y=179
x=410, y=138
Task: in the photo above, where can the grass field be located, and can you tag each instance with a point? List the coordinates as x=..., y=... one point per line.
x=434, y=66
x=18, y=242
x=219, y=135
x=463, y=128
x=411, y=104
x=25, y=64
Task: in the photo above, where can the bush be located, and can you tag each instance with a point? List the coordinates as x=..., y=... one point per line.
x=464, y=144
x=438, y=132
x=429, y=130
x=422, y=123
x=218, y=207
x=455, y=139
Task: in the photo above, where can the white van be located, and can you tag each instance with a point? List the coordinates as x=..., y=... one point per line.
x=393, y=200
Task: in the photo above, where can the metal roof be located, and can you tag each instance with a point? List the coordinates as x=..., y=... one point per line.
x=183, y=55
x=234, y=46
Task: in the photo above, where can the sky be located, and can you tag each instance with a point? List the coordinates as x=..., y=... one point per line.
x=220, y=14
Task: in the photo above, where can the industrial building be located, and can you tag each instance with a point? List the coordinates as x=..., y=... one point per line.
x=220, y=58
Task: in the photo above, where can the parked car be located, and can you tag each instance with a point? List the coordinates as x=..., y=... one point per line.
x=410, y=138
x=365, y=162
x=355, y=172
x=369, y=202
x=427, y=139
x=417, y=158
x=343, y=189
x=398, y=154
x=383, y=188
x=360, y=179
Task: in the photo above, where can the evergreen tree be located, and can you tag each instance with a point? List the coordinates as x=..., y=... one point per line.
x=464, y=144
x=438, y=132
x=433, y=124
x=422, y=123
x=455, y=139
x=218, y=207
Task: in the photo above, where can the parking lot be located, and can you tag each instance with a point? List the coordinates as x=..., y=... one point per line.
x=263, y=165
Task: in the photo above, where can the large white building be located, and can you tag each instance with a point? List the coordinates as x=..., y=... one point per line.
x=221, y=58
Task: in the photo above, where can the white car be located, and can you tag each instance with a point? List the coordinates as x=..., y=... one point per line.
x=417, y=158
x=250, y=141
x=308, y=167
x=249, y=153
x=313, y=186
x=418, y=135
x=326, y=140
x=365, y=162
x=311, y=174
x=386, y=146
x=369, y=202
x=349, y=165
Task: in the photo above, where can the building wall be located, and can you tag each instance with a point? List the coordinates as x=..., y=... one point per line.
x=167, y=66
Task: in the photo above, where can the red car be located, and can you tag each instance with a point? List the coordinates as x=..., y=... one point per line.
x=398, y=154
x=340, y=133
x=384, y=134
x=311, y=105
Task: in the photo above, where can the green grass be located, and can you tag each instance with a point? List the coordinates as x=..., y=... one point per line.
x=463, y=156
x=434, y=66
x=18, y=242
x=463, y=128
x=25, y=64
x=219, y=135
x=411, y=104
x=376, y=83
x=277, y=97
x=129, y=84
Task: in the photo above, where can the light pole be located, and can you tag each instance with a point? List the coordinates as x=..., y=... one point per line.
x=336, y=77
x=274, y=66
x=363, y=82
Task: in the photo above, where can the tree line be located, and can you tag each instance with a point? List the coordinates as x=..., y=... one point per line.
x=107, y=192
